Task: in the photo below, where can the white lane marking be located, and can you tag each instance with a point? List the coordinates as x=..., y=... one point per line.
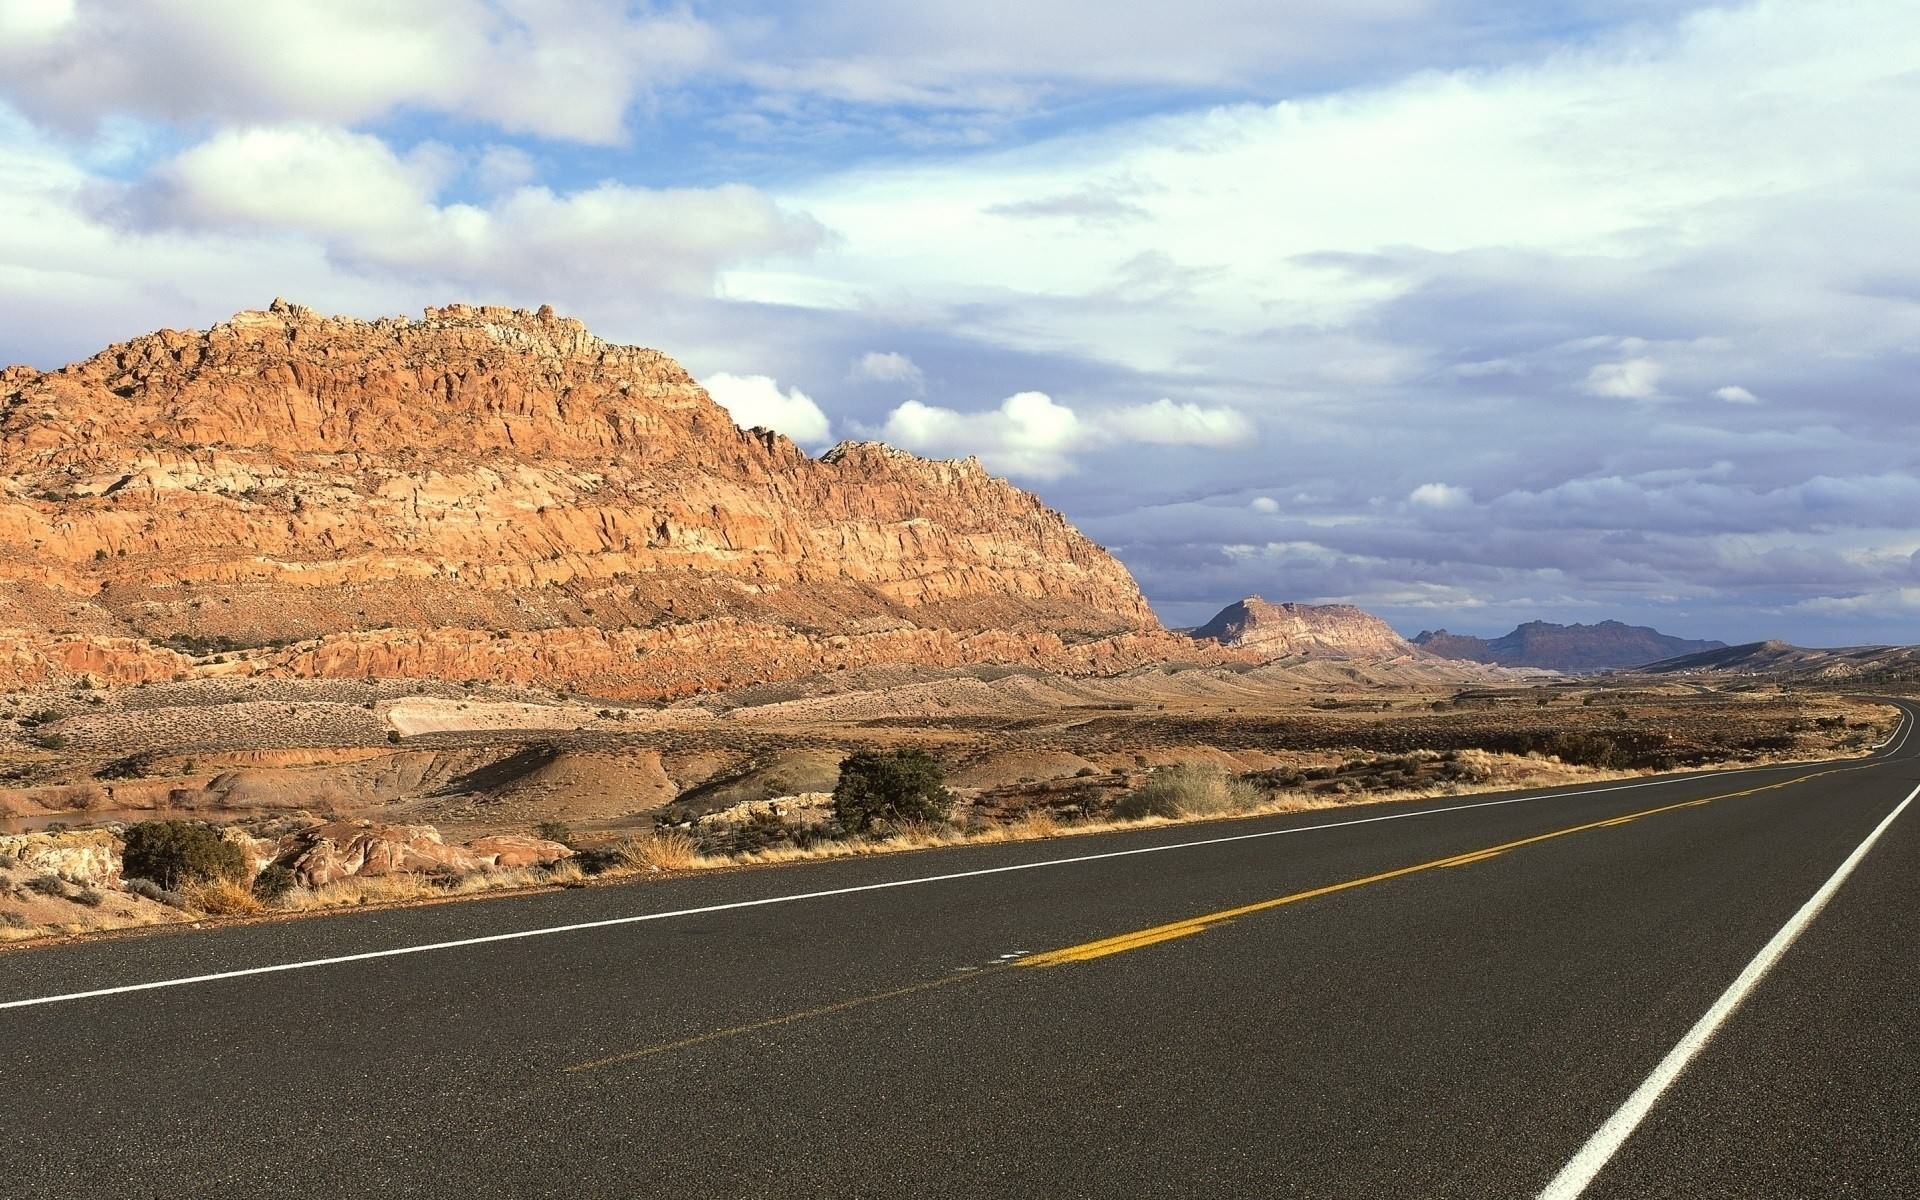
x=607, y=923
x=1581, y=1170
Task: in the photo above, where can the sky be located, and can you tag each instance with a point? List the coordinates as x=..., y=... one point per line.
x=1466, y=313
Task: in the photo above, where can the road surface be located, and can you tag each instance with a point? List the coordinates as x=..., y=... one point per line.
x=1690, y=987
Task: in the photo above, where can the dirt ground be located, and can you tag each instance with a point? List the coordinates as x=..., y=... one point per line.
x=476, y=760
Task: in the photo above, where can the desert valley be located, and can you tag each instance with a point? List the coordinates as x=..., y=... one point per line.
x=413, y=608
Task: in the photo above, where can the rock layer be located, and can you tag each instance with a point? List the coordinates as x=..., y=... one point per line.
x=493, y=493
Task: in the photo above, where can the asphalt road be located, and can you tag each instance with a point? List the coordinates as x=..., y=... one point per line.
x=1421, y=1000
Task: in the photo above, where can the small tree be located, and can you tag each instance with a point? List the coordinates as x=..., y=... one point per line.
x=175, y=853
x=898, y=785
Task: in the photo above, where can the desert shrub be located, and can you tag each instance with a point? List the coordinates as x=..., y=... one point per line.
x=894, y=786
x=393, y=737
x=1187, y=789
x=47, y=885
x=221, y=897
x=554, y=831
x=660, y=850
x=88, y=898
x=149, y=890
x=14, y=920
x=7, y=861
x=272, y=883
x=51, y=741
x=174, y=853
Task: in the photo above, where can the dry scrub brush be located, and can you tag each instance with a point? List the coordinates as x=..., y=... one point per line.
x=1189, y=789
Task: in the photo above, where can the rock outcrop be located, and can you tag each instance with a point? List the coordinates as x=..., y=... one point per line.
x=89, y=857
x=1609, y=645
x=1284, y=630
x=495, y=493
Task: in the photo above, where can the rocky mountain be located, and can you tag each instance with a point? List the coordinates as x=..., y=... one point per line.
x=498, y=494
x=1609, y=645
x=1782, y=661
x=1282, y=630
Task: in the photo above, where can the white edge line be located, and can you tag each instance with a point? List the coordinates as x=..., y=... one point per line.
x=545, y=931
x=1591, y=1158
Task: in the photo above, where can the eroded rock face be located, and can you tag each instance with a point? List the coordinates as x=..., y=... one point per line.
x=331, y=852
x=1281, y=630
x=82, y=856
x=507, y=851
x=488, y=492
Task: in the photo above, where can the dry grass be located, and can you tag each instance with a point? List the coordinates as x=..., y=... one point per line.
x=1192, y=789
x=222, y=898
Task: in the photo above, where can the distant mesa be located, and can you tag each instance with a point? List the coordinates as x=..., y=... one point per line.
x=497, y=494
x=1314, y=630
x=1607, y=646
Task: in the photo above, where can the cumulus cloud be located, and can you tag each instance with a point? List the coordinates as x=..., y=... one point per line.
x=888, y=367
x=1632, y=379
x=1028, y=434
x=1264, y=504
x=375, y=209
x=1439, y=495
x=1165, y=423
x=757, y=400
x=1032, y=434
x=1735, y=394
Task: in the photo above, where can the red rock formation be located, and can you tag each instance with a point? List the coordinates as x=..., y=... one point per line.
x=492, y=493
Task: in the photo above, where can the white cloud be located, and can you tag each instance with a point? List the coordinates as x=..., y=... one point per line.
x=1028, y=434
x=1032, y=434
x=888, y=367
x=1439, y=495
x=560, y=70
x=375, y=209
x=1735, y=394
x=1631, y=379
x=1165, y=423
x=1264, y=504
x=757, y=400
x=310, y=178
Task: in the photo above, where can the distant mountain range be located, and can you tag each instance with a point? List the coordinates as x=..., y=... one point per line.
x=1609, y=645
x=1783, y=662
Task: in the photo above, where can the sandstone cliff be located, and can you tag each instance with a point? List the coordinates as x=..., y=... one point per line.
x=1282, y=630
x=493, y=493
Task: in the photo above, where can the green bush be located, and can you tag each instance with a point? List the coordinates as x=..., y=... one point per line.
x=174, y=853
x=891, y=786
x=272, y=883
x=554, y=831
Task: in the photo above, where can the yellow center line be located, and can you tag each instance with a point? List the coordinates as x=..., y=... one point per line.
x=1121, y=943
x=1155, y=934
